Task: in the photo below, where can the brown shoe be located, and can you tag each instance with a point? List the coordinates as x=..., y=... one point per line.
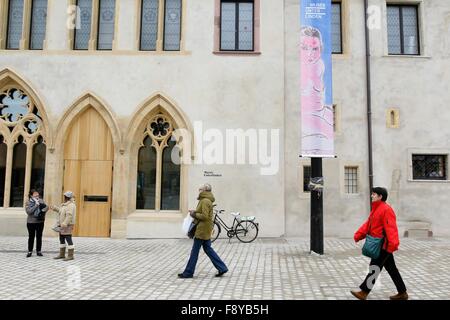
x=400, y=296
x=361, y=295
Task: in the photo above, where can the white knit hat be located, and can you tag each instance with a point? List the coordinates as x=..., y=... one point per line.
x=68, y=194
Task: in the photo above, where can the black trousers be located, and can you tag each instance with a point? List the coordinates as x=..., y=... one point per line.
x=35, y=230
x=386, y=260
x=63, y=238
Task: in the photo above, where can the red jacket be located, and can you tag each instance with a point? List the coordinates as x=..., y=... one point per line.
x=382, y=217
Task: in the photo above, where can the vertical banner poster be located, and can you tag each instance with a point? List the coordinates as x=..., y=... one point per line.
x=316, y=79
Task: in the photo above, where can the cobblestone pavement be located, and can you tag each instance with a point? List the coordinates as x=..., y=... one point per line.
x=265, y=269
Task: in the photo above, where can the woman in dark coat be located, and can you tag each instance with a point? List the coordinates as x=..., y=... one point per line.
x=36, y=210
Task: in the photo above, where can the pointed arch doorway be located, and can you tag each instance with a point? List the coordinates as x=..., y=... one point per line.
x=88, y=171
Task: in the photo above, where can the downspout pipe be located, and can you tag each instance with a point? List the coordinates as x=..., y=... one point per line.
x=369, y=96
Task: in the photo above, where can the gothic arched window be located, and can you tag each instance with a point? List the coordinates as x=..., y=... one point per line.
x=158, y=176
x=22, y=147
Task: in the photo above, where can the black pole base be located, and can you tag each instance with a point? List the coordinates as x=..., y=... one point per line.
x=316, y=240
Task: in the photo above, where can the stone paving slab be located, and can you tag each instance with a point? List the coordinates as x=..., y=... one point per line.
x=265, y=269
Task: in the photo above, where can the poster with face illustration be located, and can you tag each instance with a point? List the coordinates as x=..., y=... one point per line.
x=316, y=79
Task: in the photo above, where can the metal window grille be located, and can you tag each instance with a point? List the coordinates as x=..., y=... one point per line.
x=306, y=178
x=351, y=179
x=336, y=27
x=237, y=25
x=429, y=167
x=403, y=29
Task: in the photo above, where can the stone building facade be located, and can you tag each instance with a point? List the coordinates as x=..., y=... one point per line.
x=96, y=109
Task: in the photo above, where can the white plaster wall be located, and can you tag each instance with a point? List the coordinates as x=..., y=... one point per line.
x=418, y=86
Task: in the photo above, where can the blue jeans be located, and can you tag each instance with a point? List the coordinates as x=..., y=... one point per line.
x=217, y=262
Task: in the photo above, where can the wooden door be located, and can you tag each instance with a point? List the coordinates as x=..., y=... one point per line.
x=95, y=199
x=88, y=165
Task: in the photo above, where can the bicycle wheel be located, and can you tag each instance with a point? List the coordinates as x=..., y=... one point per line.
x=246, y=231
x=215, y=232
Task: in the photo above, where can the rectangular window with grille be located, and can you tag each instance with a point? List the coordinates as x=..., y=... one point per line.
x=403, y=29
x=336, y=27
x=351, y=180
x=429, y=167
x=306, y=178
x=38, y=24
x=236, y=25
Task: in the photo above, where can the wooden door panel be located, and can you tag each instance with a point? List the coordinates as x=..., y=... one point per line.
x=72, y=175
x=89, y=154
x=95, y=216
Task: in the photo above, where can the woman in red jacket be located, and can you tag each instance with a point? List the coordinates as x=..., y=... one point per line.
x=381, y=224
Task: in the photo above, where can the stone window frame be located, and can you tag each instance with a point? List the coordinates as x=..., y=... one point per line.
x=256, y=30
x=423, y=49
x=159, y=143
x=10, y=138
x=344, y=164
x=341, y=4
x=93, y=38
x=426, y=151
x=26, y=26
x=345, y=26
x=303, y=162
x=161, y=23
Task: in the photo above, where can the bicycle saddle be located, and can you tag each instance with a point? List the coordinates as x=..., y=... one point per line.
x=235, y=213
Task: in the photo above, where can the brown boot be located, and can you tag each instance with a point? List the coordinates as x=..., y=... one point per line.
x=69, y=255
x=361, y=295
x=400, y=296
x=62, y=253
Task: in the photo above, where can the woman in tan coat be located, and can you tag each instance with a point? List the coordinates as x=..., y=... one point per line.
x=66, y=220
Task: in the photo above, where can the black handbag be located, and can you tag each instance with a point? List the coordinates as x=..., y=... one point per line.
x=192, y=229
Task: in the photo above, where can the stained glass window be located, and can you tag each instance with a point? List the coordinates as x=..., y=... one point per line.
x=15, y=22
x=146, y=176
x=403, y=30
x=170, y=186
x=149, y=24
x=38, y=24
x=83, y=30
x=106, y=24
x=236, y=27
x=19, y=114
x=172, y=25
x=3, y=150
x=18, y=174
x=38, y=167
x=336, y=36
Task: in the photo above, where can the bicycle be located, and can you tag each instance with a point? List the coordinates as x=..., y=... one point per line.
x=244, y=228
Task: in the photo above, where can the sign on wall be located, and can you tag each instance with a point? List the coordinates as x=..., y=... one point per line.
x=316, y=79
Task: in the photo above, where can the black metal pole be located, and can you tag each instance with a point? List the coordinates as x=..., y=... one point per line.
x=316, y=209
x=369, y=98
